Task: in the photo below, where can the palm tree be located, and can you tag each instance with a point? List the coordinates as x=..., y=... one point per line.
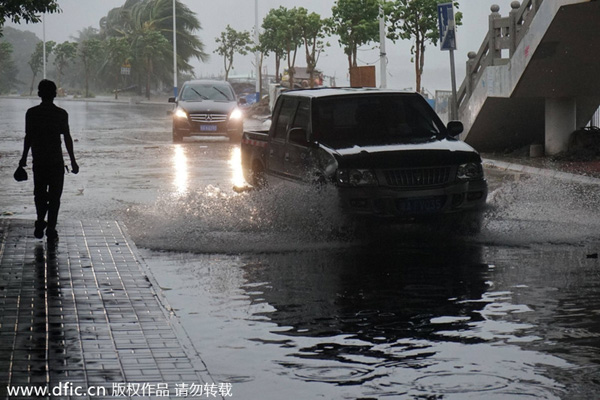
x=136, y=18
x=149, y=48
x=117, y=52
x=64, y=53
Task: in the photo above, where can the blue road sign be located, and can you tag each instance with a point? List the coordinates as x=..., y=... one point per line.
x=446, y=26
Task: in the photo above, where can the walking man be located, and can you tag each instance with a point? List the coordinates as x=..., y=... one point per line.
x=44, y=125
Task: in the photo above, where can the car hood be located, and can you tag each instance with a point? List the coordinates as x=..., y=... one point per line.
x=208, y=106
x=433, y=153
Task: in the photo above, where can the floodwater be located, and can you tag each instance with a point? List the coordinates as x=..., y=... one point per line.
x=283, y=299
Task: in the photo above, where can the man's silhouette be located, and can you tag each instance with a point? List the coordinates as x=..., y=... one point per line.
x=44, y=125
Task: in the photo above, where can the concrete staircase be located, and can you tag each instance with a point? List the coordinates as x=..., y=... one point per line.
x=535, y=78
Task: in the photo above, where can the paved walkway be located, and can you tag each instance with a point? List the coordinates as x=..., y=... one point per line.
x=86, y=313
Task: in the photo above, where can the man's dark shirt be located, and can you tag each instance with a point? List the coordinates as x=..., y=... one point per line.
x=44, y=124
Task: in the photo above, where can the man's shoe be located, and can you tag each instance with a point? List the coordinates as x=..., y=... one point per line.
x=39, y=229
x=52, y=235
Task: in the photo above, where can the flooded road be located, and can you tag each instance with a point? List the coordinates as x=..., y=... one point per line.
x=283, y=301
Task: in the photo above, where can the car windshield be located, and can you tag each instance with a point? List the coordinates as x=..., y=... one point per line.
x=342, y=122
x=207, y=91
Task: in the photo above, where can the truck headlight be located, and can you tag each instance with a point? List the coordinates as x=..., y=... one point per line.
x=357, y=177
x=236, y=114
x=179, y=113
x=470, y=171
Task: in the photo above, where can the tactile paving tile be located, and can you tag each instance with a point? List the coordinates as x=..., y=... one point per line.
x=84, y=312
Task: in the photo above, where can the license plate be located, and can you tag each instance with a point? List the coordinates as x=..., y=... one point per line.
x=420, y=206
x=208, y=128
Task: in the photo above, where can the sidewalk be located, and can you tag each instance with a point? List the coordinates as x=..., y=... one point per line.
x=87, y=313
x=584, y=172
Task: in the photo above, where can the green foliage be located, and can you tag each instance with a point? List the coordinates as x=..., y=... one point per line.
x=312, y=30
x=272, y=40
x=89, y=53
x=36, y=61
x=28, y=11
x=232, y=42
x=356, y=23
x=416, y=20
x=64, y=53
x=149, y=49
x=117, y=52
x=8, y=71
x=135, y=21
x=285, y=34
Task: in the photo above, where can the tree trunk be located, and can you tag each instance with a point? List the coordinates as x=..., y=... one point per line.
x=148, y=76
x=32, y=83
x=59, y=73
x=422, y=62
x=277, y=65
x=262, y=55
x=226, y=67
x=87, y=86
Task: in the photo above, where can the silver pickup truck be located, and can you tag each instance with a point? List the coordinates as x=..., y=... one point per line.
x=387, y=152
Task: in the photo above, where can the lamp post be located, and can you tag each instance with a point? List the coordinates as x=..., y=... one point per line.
x=174, y=52
x=44, y=42
x=382, y=54
x=257, y=55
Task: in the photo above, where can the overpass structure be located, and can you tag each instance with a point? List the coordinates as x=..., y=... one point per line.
x=535, y=78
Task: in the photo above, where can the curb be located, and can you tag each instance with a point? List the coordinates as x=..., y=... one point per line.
x=525, y=169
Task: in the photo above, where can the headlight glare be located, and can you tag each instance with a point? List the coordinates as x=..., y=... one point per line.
x=470, y=171
x=179, y=113
x=357, y=177
x=236, y=114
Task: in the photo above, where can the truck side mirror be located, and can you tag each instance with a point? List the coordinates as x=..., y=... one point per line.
x=171, y=99
x=455, y=128
x=298, y=136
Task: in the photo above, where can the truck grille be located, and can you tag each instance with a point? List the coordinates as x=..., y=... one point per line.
x=208, y=117
x=410, y=177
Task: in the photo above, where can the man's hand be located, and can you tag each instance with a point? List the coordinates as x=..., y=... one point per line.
x=74, y=167
x=23, y=162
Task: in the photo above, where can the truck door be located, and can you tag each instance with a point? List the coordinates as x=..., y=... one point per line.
x=276, y=150
x=296, y=157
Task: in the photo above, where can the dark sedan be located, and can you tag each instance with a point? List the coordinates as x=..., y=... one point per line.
x=207, y=108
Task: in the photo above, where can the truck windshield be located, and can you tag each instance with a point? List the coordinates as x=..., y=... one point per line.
x=209, y=91
x=345, y=121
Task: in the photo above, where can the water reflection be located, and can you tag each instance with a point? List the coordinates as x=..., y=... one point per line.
x=235, y=163
x=180, y=165
x=397, y=318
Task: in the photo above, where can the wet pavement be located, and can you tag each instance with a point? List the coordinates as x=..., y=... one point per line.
x=86, y=312
x=280, y=306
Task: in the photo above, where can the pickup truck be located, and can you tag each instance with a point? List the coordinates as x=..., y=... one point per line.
x=387, y=153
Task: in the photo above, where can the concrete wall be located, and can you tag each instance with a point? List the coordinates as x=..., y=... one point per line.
x=554, y=60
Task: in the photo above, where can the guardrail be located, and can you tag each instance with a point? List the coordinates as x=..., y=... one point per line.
x=500, y=43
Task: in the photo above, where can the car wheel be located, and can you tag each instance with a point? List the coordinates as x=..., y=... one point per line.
x=258, y=176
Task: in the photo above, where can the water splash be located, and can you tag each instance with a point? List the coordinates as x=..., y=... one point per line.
x=539, y=209
x=213, y=220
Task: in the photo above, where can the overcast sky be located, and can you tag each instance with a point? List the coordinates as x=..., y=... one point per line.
x=215, y=15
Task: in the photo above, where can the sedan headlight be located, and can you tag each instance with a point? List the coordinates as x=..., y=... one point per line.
x=236, y=114
x=357, y=177
x=470, y=171
x=179, y=113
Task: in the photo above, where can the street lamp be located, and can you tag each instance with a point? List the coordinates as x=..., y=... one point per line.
x=174, y=52
x=257, y=56
x=44, y=42
x=382, y=54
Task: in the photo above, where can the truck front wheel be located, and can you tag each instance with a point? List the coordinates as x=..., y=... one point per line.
x=258, y=176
